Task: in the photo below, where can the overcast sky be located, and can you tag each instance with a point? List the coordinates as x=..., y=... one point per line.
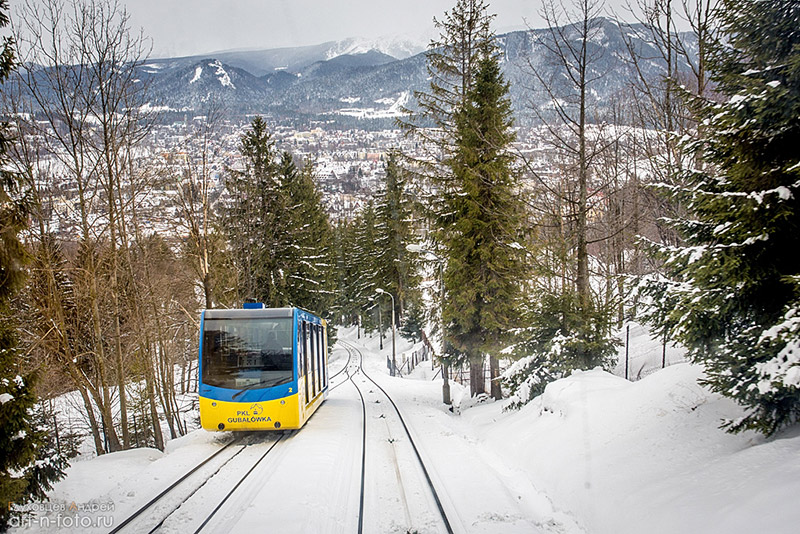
x=181, y=27
x=188, y=27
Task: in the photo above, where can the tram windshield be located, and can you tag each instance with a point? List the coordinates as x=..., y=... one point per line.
x=247, y=353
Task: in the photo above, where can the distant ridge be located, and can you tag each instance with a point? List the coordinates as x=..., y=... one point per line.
x=348, y=83
x=259, y=61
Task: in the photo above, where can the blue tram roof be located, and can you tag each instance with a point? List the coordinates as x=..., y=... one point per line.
x=256, y=313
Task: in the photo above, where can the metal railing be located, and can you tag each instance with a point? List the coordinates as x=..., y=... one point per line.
x=410, y=359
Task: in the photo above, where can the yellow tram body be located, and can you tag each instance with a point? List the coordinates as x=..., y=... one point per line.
x=288, y=413
x=261, y=369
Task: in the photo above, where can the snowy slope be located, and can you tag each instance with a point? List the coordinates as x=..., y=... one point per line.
x=595, y=453
x=648, y=456
x=629, y=457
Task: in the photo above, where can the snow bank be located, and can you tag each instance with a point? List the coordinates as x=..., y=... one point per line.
x=618, y=456
x=649, y=456
x=92, y=480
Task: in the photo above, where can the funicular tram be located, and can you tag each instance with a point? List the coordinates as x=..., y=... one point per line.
x=261, y=368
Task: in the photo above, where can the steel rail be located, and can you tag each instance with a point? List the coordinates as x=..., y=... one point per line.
x=340, y=371
x=363, y=446
x=172, y=486
x=241, y=480
x=428, y=479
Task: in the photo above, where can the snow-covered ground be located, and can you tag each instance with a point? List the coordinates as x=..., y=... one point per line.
x=595, y=454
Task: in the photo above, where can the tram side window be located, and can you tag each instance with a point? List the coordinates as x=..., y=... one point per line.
x=320, y=365
x=319, y=351
x=320, y=357
x=313, y=359
x=317, y=340
x=313, y=331
x=306, y=369
x=301, y=370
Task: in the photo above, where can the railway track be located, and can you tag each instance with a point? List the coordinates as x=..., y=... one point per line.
x=153, y=515
x=345, y=369
x=156, y=512
x=387, y=424
x=392, y=474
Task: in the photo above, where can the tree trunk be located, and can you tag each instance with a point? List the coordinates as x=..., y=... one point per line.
x=207, y=289
x=494, y=373
x=100, y=360
x=582, y=252
x=477, y=380
x=108, y=424
x=166, y=388
x=151, y=396
x=87, y=403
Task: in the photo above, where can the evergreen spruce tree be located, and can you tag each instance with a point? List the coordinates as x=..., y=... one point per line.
x=365, y=257
x=485, y=265
x=452, y=62
x=559, y=336
x=736, y=279
x=346, y=304
x=396, y=269
x=309, y=252
x=17, y=397
x=25, y=472
x=452, y=59
x=414, y=321
x=255, y=219
x=278, y=232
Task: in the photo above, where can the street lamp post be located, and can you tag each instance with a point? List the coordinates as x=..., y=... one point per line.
x=445, y=367
x=394, y=349
x=380, y=328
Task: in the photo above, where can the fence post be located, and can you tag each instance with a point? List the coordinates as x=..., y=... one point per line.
x=627, y=348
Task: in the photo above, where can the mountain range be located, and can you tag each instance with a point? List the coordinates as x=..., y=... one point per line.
x=366, y=83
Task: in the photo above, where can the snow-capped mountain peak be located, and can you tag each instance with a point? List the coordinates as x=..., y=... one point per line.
x=399, y=47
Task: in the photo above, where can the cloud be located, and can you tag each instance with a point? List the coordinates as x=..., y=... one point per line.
x=188, y=27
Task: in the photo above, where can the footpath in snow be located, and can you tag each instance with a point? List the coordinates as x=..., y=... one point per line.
x=595, y=453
